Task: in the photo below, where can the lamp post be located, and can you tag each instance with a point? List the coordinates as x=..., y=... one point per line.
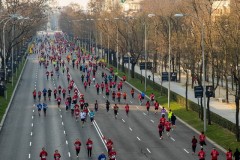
x=203, y=67
x=145, y=53
x=117, y=45
x=108, y=41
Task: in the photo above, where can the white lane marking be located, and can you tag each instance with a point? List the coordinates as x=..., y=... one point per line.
x=30, y=144
x=137, y=107
x=144, y=114
x=29, y=156
x=103, y=97
x=66, y=142
x=148, y=150
x=152, y=121
x=60, y=110
x=138, y=138
x=186, y=150
x=61, y=116
x=32, y=117
x=31, y=133
x=64, y=132
x=62, y=123
x=35, y=85
x=172, y=139
x=130, y=101
x=130, y=128
x=35, y=88
x=123, y=120
x=32, y=124
x=33, y=110
x=69, y=154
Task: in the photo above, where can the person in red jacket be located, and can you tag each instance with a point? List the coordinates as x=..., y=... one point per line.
x=127, y=109
x=109, y=145
x=97, y=87
x=201, y=154
x=58, y=101
x=112, y=154
x=229, y=154
x=163, y=120
x=168, y=127
x=89, y=147
x=59, y=89
x=102, y=86
x=34, y=94
x=64, y=93
x=202, y=138
x=77, y=112
x=214, y=154
x=156, y=106
x=77, y=145
x=43, y=154
x=152, y=97
x=57, y=155
x=160, y=130
x=39, y=95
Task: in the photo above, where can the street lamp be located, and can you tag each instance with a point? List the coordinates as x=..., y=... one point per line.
x=108, y=40
x=203, y=59
x=169, y=56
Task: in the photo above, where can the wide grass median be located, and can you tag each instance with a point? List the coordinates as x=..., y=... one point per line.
x=4, y=101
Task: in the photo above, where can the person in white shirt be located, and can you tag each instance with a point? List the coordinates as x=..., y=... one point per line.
x=83, y=117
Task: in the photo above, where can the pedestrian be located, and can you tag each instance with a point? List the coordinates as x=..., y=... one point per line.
x=96, y=106
x=170, y=115
x=194, y=144
x=43, y=154
x=91, y=115
x=89, y=144
x=107, y=105
x=160, y=129
x=44, y=109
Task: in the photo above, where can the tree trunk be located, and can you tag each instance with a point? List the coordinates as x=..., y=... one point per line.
x=122, y=64
x=208, y=110
x=132, y=69
x=202, y=109
x=227, y=97
x=237, y=117
x=186, y=92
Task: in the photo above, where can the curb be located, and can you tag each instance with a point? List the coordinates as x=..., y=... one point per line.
x=13, y=94
x=180, y=120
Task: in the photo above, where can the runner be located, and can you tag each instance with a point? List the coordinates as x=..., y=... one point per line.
x=140, y=99
x=229, y=154
x=119, y=96
x=112, y=154
x=97, y=87
x=107, y=92
x=109, y=145
x=115, y=108
x=173, y=120
x=170, y=114
x=91, y=115
x=201, y=154
x=163, y=120
x=55, y=93
x=34, y=94
x=66, y=104
x=194, y=144
x=85, y=85
x=132, y=92
x=43, y=154
x=102, y=86
x=102, y=156
x=127, y=109
x=82, y=77
x=89, y=147
x=125, y=96
x=59, y=89
x=77, y=145
x=44, y=108
x=76, y=111
x=57, y=155
x=148, y=106
x=47, y=74
x=96, y=106
x=152, y=97
x=160, y=129
x=107, y=105
x=83, y=117
x=113, y=96
x=49, y=94
x=44, y=93
x=64, y=93
x=202, y=138
x=39, y=106
x=58, y=101
x=156, y=106
x=39, y=95
x=214, y=154
x=163, y=111
x=168, y=127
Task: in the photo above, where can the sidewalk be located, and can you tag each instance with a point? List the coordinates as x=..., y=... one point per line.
x=225, y=110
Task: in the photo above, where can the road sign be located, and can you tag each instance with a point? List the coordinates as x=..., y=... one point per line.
x=142, y=65
x=210, y=91
x=198, y=91
x=173, y=76
x=164, y=76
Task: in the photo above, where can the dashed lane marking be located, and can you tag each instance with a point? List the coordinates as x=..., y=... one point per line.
x=144, y=114
x=29, y=156
x=185, y=150
x=152, y=121
x=138, y=138
x=130, y=128
x=32, y=124
x=123, y=120
x=69, y=154
x=31, y=133
x=172, y=139
x=148, y=150
x=62, y=123
x=66, y=142
x=30, y=144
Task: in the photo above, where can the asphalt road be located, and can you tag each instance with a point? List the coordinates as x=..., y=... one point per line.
x=134, y=136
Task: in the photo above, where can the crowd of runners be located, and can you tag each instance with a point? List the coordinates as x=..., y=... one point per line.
x=58, y=56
